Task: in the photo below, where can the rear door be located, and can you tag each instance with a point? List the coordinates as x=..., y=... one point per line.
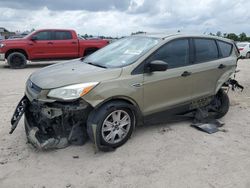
x=172, y=87
x=64, y=45
x=211, y=62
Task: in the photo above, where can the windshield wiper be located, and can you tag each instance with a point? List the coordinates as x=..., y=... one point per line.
x=97, y=65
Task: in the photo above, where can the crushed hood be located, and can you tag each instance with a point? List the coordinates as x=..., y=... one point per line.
x=71, y=72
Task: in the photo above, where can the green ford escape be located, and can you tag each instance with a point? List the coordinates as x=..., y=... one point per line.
x=134, y=80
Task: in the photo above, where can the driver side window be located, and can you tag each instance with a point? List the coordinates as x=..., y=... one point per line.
x=43, y=35
x=175, y=53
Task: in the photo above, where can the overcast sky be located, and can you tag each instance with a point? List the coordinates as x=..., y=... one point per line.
x=121, y=17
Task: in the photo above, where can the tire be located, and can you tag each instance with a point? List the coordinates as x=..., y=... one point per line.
x=220, y=104
x=248, y=55
x=17, y=60
x=109, y=130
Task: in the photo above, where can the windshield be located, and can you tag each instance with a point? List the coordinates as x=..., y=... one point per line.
x=27, y=36
x=122, y=52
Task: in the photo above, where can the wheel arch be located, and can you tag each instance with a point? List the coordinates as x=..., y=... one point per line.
x=89, y=50
x=16, y=50
x=135, y=107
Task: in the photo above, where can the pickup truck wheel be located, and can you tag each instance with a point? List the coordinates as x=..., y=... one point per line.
x=114, y=122
x=17, y=60
x=220, y=105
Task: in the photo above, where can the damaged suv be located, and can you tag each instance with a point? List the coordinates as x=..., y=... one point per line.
x=138, y=79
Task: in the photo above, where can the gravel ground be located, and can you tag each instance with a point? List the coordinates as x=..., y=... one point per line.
x=171, y=155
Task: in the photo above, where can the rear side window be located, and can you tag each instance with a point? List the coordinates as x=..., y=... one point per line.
x=175, y=53
x=206, y=50
x=62, y=35
x=225, y=48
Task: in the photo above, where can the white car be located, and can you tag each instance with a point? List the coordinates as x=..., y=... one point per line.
x=244, y=48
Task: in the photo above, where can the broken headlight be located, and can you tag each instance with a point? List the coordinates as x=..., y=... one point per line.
x=72, y=92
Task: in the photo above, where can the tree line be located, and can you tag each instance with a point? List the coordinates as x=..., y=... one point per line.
x=241, y=37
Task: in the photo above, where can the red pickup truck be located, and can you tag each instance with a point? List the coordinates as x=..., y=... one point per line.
x=47, y=44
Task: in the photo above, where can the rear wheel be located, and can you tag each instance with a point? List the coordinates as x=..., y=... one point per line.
x=17, y=60
x=219, y=105
x=248, y=55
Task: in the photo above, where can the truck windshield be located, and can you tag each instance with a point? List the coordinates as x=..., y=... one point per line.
x=27, y=36
x=122, y=52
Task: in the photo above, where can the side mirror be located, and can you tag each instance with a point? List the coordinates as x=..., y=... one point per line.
x=34, y=37
x=157, y=65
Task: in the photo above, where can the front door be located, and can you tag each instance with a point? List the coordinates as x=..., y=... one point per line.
x=163, y=90
x=42, y=47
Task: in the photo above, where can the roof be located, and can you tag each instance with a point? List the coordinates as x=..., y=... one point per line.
x=167, y=35
x=54, y=30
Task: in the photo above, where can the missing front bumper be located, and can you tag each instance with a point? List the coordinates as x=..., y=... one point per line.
x=50, y=143
x=54, y=125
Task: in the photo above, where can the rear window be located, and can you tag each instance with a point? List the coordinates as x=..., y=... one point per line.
x=225, y=48
x=206, y=50
x=62, y=35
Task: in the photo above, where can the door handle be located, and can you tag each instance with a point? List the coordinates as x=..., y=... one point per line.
x=221, y=66
x=186, y=73
x=73, y=42
x=50, y=42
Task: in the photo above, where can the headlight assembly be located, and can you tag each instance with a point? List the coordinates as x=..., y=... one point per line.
x=2, y=45
x=72, y=92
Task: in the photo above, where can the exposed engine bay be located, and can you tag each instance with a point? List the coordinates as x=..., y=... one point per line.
x=55, y=125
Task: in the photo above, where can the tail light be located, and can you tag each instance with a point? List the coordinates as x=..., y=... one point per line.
x=241, y=49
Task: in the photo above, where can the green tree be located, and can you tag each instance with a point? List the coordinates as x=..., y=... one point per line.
x=232, y=36
x=243, y=37
x=218, y=34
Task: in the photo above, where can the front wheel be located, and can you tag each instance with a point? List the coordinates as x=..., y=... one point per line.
x=17, y=60
x=115, y=122
x=219, y=105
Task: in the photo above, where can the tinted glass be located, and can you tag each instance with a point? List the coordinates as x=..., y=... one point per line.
x=43, y=35
x=225, y=48
x=206, y=49
x=62, y=35
x=175, y=53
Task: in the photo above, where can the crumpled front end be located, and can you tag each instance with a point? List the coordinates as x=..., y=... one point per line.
x=56, y=124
